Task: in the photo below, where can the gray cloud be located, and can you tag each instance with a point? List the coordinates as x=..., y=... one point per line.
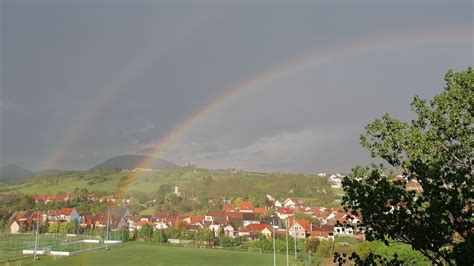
x=109, y=78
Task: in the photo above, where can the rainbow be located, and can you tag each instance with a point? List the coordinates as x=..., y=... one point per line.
x=316, y=56
x=142, y=60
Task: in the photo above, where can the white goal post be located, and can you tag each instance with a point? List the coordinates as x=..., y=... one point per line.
x=255, y=250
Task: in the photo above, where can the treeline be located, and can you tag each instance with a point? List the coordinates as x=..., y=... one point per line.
x=206, y=237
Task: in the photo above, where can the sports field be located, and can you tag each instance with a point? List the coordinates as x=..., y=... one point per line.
x=11, y=245
x=141, y=254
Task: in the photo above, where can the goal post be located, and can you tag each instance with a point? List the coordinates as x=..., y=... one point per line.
x=259, y=250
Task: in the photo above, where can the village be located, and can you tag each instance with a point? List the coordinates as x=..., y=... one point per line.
x=290, y=216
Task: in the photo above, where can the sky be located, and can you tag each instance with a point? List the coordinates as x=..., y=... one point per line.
x=82, y=81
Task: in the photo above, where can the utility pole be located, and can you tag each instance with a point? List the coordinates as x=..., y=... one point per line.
x=274, y=251
x=36, y=237
x=107, y=233
x=287, y=258
x=296, y=239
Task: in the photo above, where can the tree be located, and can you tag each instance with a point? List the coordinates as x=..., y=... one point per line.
x=146, y=232
x=53, y=227
x=311, y=244
x=124, y=234
x=72, y=227
x=160, y=236
x=430, y=207
x=63, y=228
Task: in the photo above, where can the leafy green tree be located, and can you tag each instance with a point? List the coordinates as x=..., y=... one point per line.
x=146, y=232
x=311, y=244
x=124, y=235
x=225, y=242
x=159, y=236
x=430, y=208
x=63, y=227
x=72, y=227
x=53, y=227
x=404, y=252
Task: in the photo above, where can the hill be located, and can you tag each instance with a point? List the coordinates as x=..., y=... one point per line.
x=12, y=171
x=200, y=183
x=128, y=162
x=52, y=172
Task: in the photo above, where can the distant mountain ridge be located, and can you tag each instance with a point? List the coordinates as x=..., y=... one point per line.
x=12, y=171
x=132, y=161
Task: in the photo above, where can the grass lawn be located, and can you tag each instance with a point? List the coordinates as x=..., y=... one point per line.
x=142, y=254
x=26, y=241
x=12, y=245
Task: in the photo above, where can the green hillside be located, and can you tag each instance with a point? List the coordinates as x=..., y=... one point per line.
x=192, y=182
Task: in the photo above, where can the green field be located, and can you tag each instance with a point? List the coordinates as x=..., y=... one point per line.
x=77, y=246
x=12, y=245
x=141, y=254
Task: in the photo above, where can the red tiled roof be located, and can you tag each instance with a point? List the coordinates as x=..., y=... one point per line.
x=63, y=211
x=246, y=205
x=305, y=224
x=259, y=210
x=320, y=234
x=258, y=227
x=284, y=210
x=324, y=228
x=234, y=214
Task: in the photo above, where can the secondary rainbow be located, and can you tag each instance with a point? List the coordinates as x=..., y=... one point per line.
x=313, y=57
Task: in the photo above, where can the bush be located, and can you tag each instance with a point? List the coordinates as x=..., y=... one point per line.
x=324, y=248
x=146, y=232
x=160, y=237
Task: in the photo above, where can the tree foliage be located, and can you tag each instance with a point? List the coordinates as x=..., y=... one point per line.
x=430, y=208
x=146, y=232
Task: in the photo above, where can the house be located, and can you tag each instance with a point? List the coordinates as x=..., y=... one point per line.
x=161, y=225
x=250, y=218
x=228, y=207
x=64, y=215
x=277, y=204
x=215, y=228
x=291, y=203
x=300, y=228
x=26, y=221
x=116, y=217
x=246, y=206
x=14, y=228
x=244, y=232
x=284, y=212
x=229, y=230
x=322, y=232
x=211, y=215
x=270, y=198
x=194, y=227
x=344, y=229
x=138, y=225
x=256, y=230
x=89, y=220
x=336, y=180
x=47, y=198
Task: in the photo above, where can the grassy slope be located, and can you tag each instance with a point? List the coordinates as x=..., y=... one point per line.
x=108, y=181
x=151, y=181
x=139, y=254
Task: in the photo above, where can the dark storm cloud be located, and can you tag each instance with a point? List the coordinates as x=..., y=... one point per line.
x=127, y=74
